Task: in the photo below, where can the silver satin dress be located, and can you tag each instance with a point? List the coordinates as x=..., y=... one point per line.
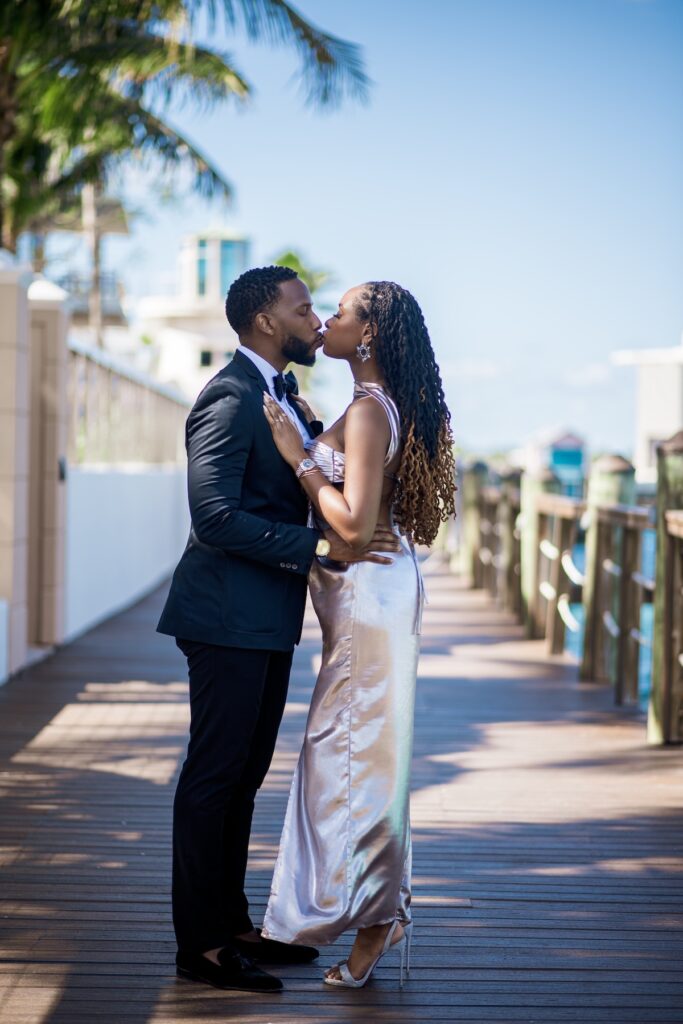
x=345, y=854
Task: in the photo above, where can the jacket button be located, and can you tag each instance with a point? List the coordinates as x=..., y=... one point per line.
x=289, y=565
x=295, y=566
x=282, y=565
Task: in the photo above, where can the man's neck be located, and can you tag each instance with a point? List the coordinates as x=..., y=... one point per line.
x=273, y=357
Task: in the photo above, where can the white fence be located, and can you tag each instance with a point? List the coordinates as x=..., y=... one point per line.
x=127, y=517
x=126, y=527
x=92, y=476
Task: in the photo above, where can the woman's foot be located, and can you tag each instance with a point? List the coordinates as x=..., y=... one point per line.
x=366, y=949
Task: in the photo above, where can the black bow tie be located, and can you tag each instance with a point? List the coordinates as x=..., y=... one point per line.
x=285, y=384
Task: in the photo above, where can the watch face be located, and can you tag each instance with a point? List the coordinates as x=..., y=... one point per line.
x=307, y=464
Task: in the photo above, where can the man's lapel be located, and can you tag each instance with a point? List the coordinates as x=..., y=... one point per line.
x=250, y=369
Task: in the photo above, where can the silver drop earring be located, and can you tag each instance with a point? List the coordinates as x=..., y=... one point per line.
x=363, y=351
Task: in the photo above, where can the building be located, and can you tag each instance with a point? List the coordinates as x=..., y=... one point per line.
x=563, y=451
x=188, y=331
x=659, y=402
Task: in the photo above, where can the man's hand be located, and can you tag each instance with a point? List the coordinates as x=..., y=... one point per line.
x=383, y=540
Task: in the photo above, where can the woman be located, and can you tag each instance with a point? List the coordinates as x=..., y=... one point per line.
x=345, y=854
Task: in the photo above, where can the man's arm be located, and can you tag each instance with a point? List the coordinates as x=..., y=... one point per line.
x=218, y=442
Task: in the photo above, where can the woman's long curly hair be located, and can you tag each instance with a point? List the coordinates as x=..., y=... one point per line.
x=425, y=491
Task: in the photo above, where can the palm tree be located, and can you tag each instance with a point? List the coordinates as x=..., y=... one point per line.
x=314, y=278
x=80, y=81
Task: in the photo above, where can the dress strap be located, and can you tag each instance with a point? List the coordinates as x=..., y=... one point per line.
x=364, y=389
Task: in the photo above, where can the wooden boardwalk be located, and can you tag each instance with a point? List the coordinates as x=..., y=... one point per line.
x=548, y=875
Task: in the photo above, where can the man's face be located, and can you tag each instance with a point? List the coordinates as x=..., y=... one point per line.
x=298, y=328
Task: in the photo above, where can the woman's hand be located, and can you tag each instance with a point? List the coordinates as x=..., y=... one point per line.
x=305, y=408
x=286, y=436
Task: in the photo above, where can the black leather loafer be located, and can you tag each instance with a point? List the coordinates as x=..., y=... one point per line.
x=234, y=971
x=270, y=951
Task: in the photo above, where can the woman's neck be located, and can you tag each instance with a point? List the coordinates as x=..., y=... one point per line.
x=367, y=372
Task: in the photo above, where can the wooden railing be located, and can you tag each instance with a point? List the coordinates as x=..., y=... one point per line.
x=524, y=556
x=500, y=545
x=118, y=415
x=490, y=533
x=613, y=636
x=559, y=582
x=672, y=652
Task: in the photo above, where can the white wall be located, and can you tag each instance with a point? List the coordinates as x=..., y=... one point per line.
x=126, y=529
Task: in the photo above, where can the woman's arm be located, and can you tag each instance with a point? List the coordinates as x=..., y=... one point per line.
x=353, y=512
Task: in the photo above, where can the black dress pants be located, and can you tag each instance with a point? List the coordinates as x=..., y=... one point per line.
x=237, y=698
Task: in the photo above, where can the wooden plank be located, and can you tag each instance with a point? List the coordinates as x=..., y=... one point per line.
x=546, y=888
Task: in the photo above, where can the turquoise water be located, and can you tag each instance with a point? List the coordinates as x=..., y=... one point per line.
x=574, y=641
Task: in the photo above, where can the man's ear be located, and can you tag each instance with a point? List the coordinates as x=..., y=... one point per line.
x=264, y=323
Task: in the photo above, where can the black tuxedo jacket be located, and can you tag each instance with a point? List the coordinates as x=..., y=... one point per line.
x=241, y=581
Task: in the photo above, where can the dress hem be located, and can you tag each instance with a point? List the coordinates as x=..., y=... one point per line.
x=307, y=938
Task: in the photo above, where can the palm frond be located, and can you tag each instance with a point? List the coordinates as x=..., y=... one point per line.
x=152, y=62
x=77, y=78
x=45, y=169
x=330, y=68
x=133, y=128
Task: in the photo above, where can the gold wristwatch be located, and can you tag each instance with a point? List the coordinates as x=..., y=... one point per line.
x=322, y=548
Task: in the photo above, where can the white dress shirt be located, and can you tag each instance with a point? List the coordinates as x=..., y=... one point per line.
x=268, y=372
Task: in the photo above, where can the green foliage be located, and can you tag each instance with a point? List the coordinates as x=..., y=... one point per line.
x=314, y=278
x=85, y=82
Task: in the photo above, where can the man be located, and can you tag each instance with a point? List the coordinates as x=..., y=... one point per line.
x=236, y=608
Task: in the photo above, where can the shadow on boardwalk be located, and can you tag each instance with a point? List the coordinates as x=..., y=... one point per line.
x=548, y=877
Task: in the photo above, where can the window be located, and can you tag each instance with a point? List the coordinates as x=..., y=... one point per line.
x=233, y=261
x=201, y=268
x=205, y=357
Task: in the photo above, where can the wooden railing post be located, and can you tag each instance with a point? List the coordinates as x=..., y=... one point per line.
x=507, y=516
x=564, y=531
x=628, y=609
x=666, y=696
x=474, y=478
x=530, y=486
x=489, y=539
x=611, y=482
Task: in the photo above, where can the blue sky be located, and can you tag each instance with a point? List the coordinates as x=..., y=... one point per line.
x=518, y=167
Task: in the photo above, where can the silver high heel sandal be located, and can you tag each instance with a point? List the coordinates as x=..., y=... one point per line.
x=347, y=980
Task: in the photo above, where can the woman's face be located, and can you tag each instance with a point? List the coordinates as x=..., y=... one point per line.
x=344, y=331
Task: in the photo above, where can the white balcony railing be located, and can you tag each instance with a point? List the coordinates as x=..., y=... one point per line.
x=120, y=415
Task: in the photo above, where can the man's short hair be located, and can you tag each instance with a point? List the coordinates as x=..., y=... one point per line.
x=253, y=292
